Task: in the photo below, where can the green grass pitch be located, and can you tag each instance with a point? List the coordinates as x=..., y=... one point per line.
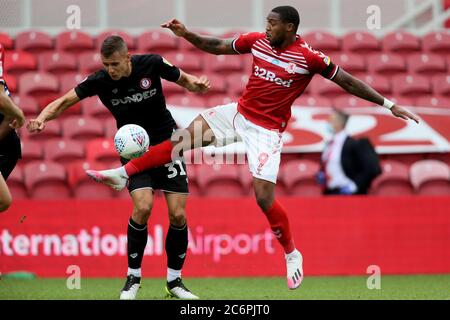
x=323, y=288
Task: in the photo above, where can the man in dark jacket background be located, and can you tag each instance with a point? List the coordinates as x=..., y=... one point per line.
x=348, y=165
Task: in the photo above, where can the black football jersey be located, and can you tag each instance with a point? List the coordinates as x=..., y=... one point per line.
x=11, y=139
x=138, y=98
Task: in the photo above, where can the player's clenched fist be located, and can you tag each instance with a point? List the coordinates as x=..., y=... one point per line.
x=202, y=84
x=35, y=125
x=176, y=26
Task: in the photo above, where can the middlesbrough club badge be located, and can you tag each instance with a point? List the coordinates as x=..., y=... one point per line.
x=290, y=68
x=145, y=83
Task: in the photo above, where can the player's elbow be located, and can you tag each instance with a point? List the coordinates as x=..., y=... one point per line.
x=5, y=203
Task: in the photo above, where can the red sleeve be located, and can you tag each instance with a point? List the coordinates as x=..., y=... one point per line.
x=244, y=43
x=320, y=63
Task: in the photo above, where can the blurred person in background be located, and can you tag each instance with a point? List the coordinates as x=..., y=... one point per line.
x=348, y=165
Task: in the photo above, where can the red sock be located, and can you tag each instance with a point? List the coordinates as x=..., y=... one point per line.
x=156, y=156
x=279, y=224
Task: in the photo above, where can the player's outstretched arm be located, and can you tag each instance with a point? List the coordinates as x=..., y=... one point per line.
x=208, y=44
x=52, y=111
x=362, y=90
x=16, y=118
x=193, y=83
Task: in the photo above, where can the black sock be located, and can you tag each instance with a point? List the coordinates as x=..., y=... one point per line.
x=137, y=240
x=176, y=246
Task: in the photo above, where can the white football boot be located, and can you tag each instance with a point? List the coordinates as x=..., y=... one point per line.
x=131, y=288
x=294, y=264
x=176, y=289
x=113, y=177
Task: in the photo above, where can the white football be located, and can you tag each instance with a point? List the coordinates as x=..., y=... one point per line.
x=131, y=141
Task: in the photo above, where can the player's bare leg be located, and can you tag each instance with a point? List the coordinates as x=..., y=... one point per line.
x=197, y=135
x=137, y=235
x=5, y=195
x=176, y=246
x=279, y=223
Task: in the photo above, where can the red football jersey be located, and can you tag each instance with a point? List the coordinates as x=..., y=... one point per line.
x=278, y=78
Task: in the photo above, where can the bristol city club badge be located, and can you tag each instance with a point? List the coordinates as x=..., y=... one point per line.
x=290, y=68
x=145, y=83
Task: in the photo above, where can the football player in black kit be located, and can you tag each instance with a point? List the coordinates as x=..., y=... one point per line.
x=11, y=118
x=130, y=87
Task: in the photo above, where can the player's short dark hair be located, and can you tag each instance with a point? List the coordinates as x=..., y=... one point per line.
x=343, y=116
x=112, y=44
x=288, y=14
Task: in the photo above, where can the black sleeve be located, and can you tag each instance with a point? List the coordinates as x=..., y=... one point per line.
x=167, y=70
x=88, y=87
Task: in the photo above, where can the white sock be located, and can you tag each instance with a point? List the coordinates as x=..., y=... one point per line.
x=293, y=253
x=173, y=274
x=134, y=272
x=123, y=172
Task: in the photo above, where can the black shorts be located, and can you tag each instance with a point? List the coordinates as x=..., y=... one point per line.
x=10, y=153
x=171, y=177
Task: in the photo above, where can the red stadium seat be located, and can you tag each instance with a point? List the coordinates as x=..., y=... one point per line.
x=351, y=102
x=93, y=107
x=351, y=62
x=64, y=151
x=84, y=187
x=46, y=180
x=31, y=151
x=12, y=83
x=101, y=150
x=299, y=179
x=220, y=180
x=52, y=131
x=323, y=41
x=431, y=177
x=19, y=62
x=187, y=101
x=171, y=88
x=82, y=129
x=232, y=34
x=313, y=101
x=74, y=42
x=42, y=86
x=34, y=42
x=187, y=61
x=110, y=127
x=224, y=64
x=70, y=80
x=426, y=64
x=16, y=184
x=378, y=82
x=218, y=83
x=237, y=83
x=90, y=62
x=394, y=180
x=386, y=64
x=434, y=101
x=6, y=41
x=28, y=105
x=361, y=42
x=57, y=63
x=411, y=85
x=129, y=39
x=401, y=42
x=324, y=87
x=402, y=101
x=441, y=85
x=437, y=42
x=156, y=41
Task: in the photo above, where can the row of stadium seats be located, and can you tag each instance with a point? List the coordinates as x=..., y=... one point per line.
x=61, y=63
x=157, y=41
x=50, y=180
x=44, y=87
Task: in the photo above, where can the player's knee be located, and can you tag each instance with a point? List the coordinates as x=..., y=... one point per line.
x=141, y=211
x=177, y=217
